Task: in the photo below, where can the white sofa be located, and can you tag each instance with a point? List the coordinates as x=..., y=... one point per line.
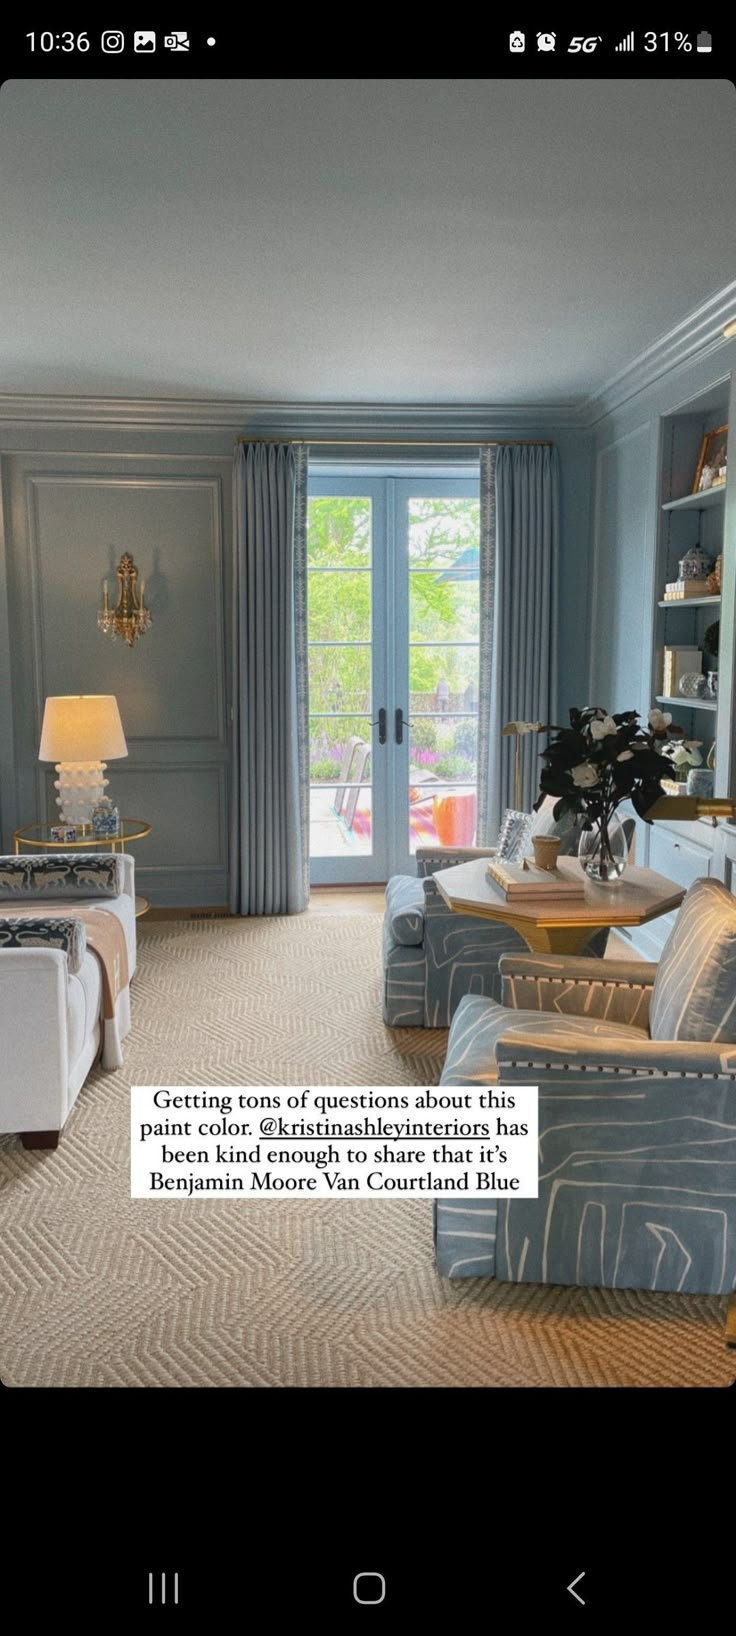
x=50, y=1025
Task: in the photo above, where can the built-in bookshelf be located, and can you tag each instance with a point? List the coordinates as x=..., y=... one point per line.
x=687, y=519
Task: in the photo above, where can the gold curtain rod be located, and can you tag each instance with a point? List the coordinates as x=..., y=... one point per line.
x=399, y=443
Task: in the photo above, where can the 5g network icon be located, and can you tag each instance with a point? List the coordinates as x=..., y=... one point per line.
x=113, y=40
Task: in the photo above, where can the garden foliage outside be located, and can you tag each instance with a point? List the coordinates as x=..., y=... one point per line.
x=443, y=614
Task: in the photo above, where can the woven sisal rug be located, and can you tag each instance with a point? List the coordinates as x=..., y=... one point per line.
x=98, y=1289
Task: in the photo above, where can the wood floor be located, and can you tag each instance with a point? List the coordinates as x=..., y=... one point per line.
x=345, y=900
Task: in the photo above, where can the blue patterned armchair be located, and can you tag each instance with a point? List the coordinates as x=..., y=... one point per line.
x=433, y=957
x=636, y=1068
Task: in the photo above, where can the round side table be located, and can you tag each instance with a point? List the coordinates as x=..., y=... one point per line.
x=38, y=837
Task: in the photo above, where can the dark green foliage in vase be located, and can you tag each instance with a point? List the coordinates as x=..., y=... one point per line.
x=599, y=761
x=711, y=639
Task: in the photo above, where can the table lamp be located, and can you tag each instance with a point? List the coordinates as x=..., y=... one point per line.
x=81, y=733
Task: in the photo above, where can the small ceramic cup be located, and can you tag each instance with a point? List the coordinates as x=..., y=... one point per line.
x=546, y=851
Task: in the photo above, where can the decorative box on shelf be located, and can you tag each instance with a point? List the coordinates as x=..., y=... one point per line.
x=681, y=590
x=678, y=662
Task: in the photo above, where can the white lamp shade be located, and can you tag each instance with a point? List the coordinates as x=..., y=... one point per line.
x=82, y=727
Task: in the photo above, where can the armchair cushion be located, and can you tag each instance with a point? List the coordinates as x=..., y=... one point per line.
x=479, y=1027
x=405, y=910
x=72, y=875
x=694, y=995
x=67, y=935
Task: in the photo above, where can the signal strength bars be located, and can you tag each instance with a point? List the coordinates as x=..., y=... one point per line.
x=627, y=44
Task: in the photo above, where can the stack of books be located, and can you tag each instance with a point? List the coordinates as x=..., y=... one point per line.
x=678, y=590
x=525, y=880
x=678, y=662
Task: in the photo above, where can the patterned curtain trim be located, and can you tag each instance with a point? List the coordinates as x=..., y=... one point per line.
x=301, y=651
x=486, y=646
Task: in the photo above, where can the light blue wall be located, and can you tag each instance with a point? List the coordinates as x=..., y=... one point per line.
x=75, y=496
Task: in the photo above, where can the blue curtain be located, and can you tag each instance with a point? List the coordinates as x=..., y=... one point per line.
x=269, y=808
x=519, y=571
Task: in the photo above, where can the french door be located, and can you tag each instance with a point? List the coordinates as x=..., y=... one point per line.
x=393, y=612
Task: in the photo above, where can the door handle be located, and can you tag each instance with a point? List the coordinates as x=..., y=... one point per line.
x=399, y=727
x=381, y=725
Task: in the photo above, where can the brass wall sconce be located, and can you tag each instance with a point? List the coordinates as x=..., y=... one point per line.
x=130, y=618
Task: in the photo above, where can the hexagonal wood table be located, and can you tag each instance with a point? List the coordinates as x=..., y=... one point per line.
x=564, y=925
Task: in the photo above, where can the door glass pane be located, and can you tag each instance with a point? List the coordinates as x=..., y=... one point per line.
x=443, y=670
x=340, y=677
x=340, y=657
x=339, y=532
x=339, y=603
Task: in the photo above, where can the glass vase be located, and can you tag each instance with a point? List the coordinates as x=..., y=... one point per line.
x=603, y=851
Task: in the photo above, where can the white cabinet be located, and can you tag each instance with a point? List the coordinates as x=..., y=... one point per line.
x=678, y=858
x=725, y=855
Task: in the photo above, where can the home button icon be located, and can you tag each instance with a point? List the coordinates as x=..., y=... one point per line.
x=369, y=1588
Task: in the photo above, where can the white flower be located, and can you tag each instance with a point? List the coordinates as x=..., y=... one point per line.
x=601, y=729
x=626, y=755
x=584, y=776
x=659, y=720
x=687, y=753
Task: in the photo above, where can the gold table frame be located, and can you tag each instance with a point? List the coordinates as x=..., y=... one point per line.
x=560, y=926
x=28, y=837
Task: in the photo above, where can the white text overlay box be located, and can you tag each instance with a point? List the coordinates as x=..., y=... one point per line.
x=366, y=1141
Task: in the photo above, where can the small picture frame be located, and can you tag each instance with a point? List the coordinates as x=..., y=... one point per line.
x=711, y=468
x=514, y=835
x=64, y=832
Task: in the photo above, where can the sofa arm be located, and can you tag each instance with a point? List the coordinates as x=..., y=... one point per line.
x=34, y=1066
x=430, y=858
x=615, y=990
x=127, y=862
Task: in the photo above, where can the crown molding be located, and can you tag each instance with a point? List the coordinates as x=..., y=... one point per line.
x=321, y=420
x=695, y=337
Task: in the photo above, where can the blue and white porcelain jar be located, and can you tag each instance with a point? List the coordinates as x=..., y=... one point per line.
x=105, y=817
x=695, y=564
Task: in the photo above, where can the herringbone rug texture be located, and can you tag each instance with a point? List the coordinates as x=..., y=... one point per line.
x=97, y=1289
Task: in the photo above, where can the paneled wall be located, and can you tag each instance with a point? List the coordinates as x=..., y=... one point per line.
x=71, y=516
x=76, y=495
